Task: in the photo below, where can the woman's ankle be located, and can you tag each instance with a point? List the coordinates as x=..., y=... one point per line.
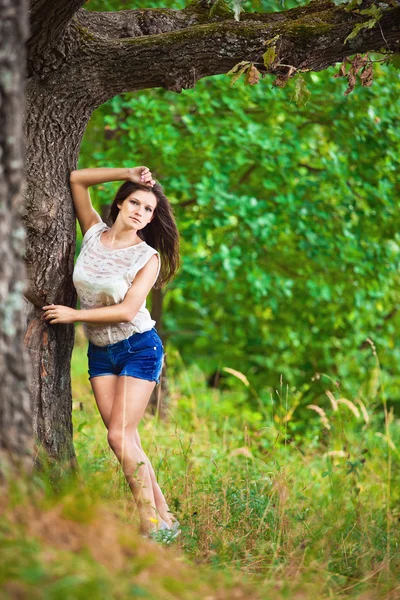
x=167, y=519
x=149, y=519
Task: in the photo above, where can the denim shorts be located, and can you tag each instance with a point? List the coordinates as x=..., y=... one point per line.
x=140, y=355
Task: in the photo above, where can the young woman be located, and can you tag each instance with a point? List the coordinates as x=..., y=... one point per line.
x=117, y=267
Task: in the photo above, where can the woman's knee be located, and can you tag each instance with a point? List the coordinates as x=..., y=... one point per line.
x=119, y=440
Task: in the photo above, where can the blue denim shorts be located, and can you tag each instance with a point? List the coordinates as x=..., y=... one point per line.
x=140, y=355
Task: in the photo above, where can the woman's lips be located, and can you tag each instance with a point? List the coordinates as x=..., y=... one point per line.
x=134, y=219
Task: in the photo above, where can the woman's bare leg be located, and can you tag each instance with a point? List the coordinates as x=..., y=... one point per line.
x=105, y=390
x=159, y=497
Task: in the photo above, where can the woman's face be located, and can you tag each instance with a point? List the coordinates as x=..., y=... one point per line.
x=137, y=210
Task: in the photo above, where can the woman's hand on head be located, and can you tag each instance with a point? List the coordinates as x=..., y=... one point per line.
x=57, y=313
x=141, y=175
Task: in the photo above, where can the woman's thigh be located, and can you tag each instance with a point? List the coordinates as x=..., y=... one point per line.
x=122, y=400
x=104, y=388
x=130, y=402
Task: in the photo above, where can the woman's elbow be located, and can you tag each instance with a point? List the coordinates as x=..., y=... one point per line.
x=129, y=315
x=73, y=175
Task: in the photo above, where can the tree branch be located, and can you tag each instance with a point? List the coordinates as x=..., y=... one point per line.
x=174, y=49
x=133, y=23
x=48, y=21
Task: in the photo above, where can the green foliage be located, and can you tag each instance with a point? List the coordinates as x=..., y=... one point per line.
x=376, y=14
x=395, y=61
x=288, y=218
x=359, y=27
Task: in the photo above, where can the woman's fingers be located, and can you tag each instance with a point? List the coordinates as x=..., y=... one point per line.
x=146, y=176
x=47, y=315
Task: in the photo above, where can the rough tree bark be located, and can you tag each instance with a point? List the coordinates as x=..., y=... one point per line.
x=16, y=439
x=78, y=60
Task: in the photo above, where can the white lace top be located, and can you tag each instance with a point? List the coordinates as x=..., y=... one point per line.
x=102, y=277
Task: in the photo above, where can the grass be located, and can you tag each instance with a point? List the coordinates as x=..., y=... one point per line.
x=271, y=505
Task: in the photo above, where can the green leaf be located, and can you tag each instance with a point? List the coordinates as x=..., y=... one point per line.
x=236, y=67
x=220, y=7
x=352, y=4
x=301, y=92
x=236, y=72
x=366, y=25
x=272, y=41
x=269, y=57
x=395, y=61
x=373, y=11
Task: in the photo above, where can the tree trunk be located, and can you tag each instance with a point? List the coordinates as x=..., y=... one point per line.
x=55, y=123
x=16, y=441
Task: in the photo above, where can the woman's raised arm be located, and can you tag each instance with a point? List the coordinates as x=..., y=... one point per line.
x=88, y=177
x=81, y=179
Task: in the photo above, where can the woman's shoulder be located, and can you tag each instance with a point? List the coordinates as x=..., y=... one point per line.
x=149, y=248
x=146, y=252
x=142, y=254
x=99, y=226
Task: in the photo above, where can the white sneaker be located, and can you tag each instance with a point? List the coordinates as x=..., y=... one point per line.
x=164, y=534
x=175, y=528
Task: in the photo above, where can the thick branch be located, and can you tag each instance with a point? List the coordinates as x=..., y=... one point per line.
x=311, y=38
x=48, y=21
x=134, y=23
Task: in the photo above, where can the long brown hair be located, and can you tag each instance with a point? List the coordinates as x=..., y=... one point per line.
x=161, y=233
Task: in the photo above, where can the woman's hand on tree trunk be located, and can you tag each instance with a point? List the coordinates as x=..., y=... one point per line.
x=57, y=313
x=141, y=175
